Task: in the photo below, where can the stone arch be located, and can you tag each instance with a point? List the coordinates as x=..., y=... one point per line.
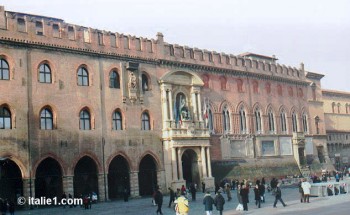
x=124, y=155
x=268, y=107
x=294, y=109
x=228, y=104
x=213, y=106
x=92, y=156
x=18, y=162
x=155, y=157
x=146, y=84
x=11, y=180
x=119, y=169
x=148, y=174
x=63, y=165
x=244, y=104
x=257, y=105
x=190, y=167
x=192, y=78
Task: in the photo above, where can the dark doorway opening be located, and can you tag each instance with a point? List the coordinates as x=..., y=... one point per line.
x=48, y=179
x=147, y=176
x=11, y=184
x=85, y=177
x=190, y=167
x=118, y=177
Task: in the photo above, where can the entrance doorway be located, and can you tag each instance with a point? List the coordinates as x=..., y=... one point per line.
x=190, y=167
x=85, y=177
x=147, y=176
x=118, y=177
x=301, y=156
x=11, y=184
x=48, y=179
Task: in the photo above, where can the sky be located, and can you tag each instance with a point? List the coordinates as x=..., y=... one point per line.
x=315, y=32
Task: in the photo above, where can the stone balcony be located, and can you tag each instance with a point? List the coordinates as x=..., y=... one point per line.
x=185, y=129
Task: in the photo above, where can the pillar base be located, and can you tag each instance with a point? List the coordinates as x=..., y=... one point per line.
x=209, y=183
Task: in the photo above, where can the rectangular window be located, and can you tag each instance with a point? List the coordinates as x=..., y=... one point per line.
x=268, y=148
x=21, y=25
x=39, y=28
x=71, y=33
x=113, y=40
x=100, y=38
x=56, y=30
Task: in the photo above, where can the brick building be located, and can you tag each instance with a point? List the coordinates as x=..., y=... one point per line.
x=85, y=110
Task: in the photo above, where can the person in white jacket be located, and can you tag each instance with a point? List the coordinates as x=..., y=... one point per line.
x=306, y=188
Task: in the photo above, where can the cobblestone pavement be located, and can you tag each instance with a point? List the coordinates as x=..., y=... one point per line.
x=143, y=206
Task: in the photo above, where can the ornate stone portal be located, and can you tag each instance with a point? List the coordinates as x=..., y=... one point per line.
x=185, y=136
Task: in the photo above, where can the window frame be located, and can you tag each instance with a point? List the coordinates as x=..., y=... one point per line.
x=82, y=75
x=83, y=120
x=42, y=70
x=145, y=121
x=5, y=117
x=3, y=69
x=46, y=119
x=117, y=121
x=114, y=82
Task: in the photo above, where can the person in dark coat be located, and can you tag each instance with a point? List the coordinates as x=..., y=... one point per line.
x=203, y=186
x=301, y=191
x=193, y=191
x=208, y=201
x=172, y=196
x=245, y=196
x=219, y=202
x=278, y=196
x=257, y=195
x=159, y=201
x=262, y=192
x=126, y=194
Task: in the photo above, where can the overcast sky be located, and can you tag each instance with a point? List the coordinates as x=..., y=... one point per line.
x=316, y=32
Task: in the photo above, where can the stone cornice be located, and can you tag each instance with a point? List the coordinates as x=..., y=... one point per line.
x=314, y=75
x=202, y=68
x=342, y=94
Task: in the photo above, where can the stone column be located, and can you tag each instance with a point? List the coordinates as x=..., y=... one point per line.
x=164, y=107
x=171, y=105
x=194, y=106
x=26, y=188
x=200, y=107
x=68, y=186
x=208, y=162
x=174, y=164
x=179, y=163
x=134, y=184
x=204, y=162
x=101, y=188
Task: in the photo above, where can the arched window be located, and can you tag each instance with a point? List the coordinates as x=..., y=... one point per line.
x=44, y=73
x=283, y=122
x=117, y=121
x=210, y=120
x=46, y=119
x=268, y=88
x=85, y=122
x=114, y=81
x=258, y=121
x=226, y=120
x=145, y=82
x=206, y=81
x=242, y=120
x=145, y=124
x=294, y=122
x=239, y=85
x=5, y=118
x=4, y=70
x=255, y=87
x=83, y=77
x=305, y=123
x=271, y=121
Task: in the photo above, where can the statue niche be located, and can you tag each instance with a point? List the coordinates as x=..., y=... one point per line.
x=182, y=111
x=132, y=85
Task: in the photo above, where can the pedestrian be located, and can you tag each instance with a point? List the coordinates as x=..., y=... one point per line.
x=86, y=202
x=90, y=200
x=306, y=189
x=301, y=191
x=181, y=205
x=219, y=202
x=217, y=187
x=233, y=184
x=262, y=192
x=126, y=194
x=208, y=201
x=64, y=196
x=172, y=196
x=245, y=196
x=337, y=177
x=183, y=190
x=278, y=196
x=257, y=195
x=228, y=192
x=203, y=186
x=193, y=191
x=159, y=201
x=239, y=197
